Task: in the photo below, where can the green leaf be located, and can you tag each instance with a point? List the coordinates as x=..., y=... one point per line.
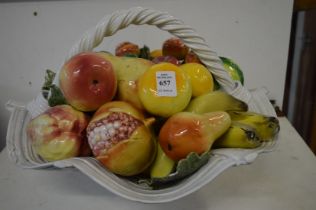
x=144, y=52
x=56, y=97
x=233, y=69
x=130, y=55
x=51, y=92
x=49, y=78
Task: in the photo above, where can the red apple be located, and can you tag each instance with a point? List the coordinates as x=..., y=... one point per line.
x=191, y=57
x=175, y=47
x=87, y=81
x=59, y=133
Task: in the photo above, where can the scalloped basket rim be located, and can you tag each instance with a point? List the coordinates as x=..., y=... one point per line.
x=21, y=153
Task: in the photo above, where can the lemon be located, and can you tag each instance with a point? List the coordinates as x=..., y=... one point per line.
x=201, y=79
x=156, y=53
x=164, y=89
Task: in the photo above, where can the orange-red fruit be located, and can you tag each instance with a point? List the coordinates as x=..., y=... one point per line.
x=87, y=81
x=187, y=132
x=127, y=48
x=59, y=133
x=175, y=47
x=191, y=57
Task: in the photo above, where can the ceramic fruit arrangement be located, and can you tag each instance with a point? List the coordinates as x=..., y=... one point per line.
x=151, y=116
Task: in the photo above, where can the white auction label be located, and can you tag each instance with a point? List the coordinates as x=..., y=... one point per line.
x=166, y=83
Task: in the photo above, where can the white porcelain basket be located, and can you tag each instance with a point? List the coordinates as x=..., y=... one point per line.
x=20, y=151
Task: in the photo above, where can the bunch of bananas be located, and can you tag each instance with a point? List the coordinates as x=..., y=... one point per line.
x=248, y=130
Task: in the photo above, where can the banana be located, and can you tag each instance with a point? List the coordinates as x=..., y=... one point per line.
x=162, y=166
x=266, y=126
x=238, y=135
x=215, y=101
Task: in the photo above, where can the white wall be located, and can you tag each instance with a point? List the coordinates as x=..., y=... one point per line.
x=254, y=33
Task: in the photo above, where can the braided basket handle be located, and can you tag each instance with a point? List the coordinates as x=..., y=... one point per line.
x=112, y=23
x=118, y=20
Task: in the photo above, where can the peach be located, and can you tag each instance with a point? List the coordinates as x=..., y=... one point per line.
x=59, y=133
x=120, y=138
x=87, y=81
